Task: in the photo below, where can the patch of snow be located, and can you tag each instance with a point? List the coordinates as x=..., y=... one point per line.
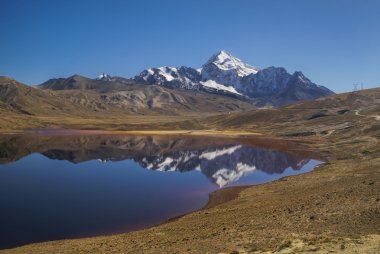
x=104, y=76
x=150, y=71
x=166, y=72
x=217, y=86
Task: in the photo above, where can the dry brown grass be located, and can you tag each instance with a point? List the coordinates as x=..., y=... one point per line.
x=336, y=205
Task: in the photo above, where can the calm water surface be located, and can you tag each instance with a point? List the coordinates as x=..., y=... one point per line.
x=69, y=186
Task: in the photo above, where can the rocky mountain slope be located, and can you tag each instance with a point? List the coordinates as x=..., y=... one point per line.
x=81, y=96
x=104, y=83
x=226, y=69
x=228, y=75
x=27, y=100
x=223, y=84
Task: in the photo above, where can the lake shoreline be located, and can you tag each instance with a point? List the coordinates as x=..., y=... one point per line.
x=313, y=209
x=63, y=131
x=59, y=142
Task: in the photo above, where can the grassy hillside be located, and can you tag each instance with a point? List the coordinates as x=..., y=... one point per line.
x=333, y=208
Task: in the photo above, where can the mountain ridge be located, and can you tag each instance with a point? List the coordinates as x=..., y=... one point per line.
x=224, y=83
x=228, y=75
x=81, y=96
x=222, y=74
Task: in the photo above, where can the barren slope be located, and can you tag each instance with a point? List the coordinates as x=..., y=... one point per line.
x=335, y=207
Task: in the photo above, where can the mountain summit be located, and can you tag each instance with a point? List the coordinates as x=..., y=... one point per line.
x=228, y=75
x=226, y=69
x=105, y=77
x=228, y=62
x=223, y=74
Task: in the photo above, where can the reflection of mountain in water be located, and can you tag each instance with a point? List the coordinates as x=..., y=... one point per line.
x=223, y=162
x=224, y=165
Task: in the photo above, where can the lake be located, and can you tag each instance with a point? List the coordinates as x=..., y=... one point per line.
x=61, y=186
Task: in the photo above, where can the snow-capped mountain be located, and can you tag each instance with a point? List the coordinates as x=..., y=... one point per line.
x=275, y=86
x=109, y=78
x=182, y=77
x=223, y=74
x=226, y=69
x=265, y=82
x=228, y=75
x=105, y=77
x=206, y=78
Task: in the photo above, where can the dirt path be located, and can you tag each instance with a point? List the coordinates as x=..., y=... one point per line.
x=357, y=113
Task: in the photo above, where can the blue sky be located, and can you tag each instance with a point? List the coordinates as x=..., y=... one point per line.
x=333, y=42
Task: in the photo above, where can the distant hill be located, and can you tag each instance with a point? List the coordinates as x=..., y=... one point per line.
x=77, y=82
x=82, y=96
x=27, y=100
x=320, y=117
x=154, y=107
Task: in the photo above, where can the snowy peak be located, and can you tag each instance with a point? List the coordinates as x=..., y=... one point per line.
x=182, y=77
x=224, y=74
x=104, y=77
x=225, y=69
x=227, y=62
x=211, y=85
x=163, y=74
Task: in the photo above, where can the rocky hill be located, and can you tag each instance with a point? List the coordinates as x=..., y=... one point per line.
x=81, y=96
